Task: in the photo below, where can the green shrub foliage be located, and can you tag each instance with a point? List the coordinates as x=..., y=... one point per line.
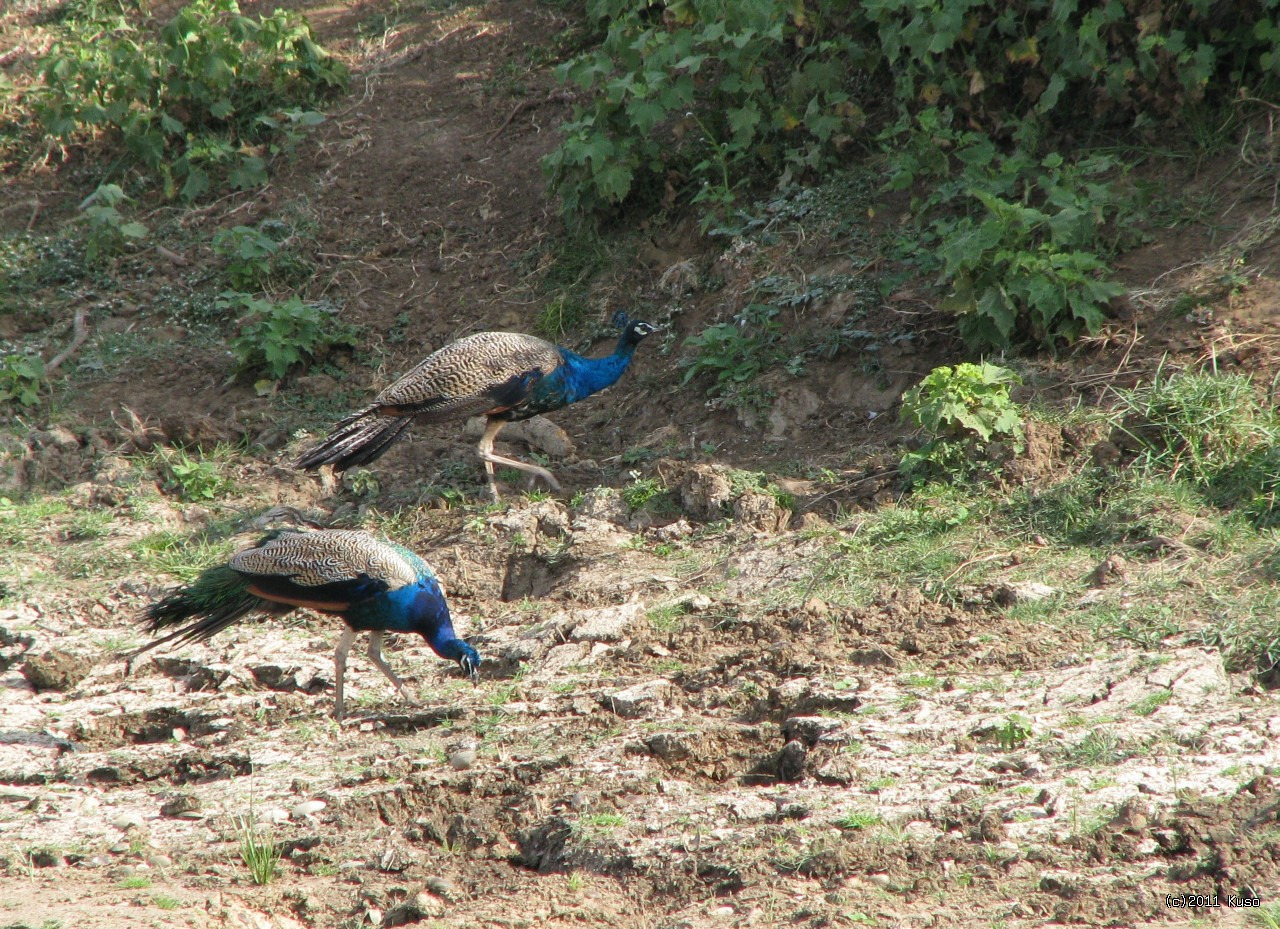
x=980, y=107
x=699, y=96
x=187, y=104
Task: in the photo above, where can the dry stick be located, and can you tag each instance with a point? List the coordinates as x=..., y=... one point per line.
x=80, y=332
x=174, y=257
x=527, y=105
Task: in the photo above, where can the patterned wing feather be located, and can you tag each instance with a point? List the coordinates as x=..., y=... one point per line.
x=323, y=563
x=471, y=376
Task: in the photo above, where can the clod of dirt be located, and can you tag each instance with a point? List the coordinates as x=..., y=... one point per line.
x=56, y=670
x=603, y=503
x=421, y=905
x=1109, y=569
x=542, y=847
x=802, y=697
x=791, y=760
x=182, y=806
x=760, y=511
x=607, y=624
x=667, y=746
x=287, y=680
x=705, y=491
x=1010, y=594
x=639, y=699
x=193, y=674
x=12, y=645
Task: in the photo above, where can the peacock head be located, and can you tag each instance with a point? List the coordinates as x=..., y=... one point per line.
x=465, y=655
x=633, y=330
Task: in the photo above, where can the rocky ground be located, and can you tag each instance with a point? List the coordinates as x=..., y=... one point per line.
x=703, y=703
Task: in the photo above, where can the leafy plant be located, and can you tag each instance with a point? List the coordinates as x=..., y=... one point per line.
x=705, y=97
x=275, y=336
x=642, y=491
x=190, y=100
x=108, y=228
x=736, y=353
x=21, y=379
x=963, y=409
x=191, y=478
x=262, y=857
x=1013, y=281
x=1013, y=732
x=248, y=253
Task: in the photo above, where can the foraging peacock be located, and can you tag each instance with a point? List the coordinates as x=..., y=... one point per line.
x=506, y=376
x=375, y=586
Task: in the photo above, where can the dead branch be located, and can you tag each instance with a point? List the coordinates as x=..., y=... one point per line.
x=79, y=332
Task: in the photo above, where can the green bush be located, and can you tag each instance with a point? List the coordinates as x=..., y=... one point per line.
x=21, y=379
x=963, y=410
x=1143, y=64
x=186, y=105
x=256, y=256
x=703, y=97
x=193, y=479
x=108, y=228
x=986, y=90
x=275, y=336
x=736, y=353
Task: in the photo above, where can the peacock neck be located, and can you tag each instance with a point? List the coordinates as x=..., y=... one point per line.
x=585, y=376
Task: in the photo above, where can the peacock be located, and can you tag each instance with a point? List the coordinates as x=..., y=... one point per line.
x=505, y=376
x=375, y=586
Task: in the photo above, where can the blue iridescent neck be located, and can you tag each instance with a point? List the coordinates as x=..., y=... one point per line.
x=430, y=618
x=585, y=376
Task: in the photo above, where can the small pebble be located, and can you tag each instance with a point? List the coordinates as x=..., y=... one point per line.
x=443, y=887
x=427, y=905
x=463, y=759
x=307, y=808
x=127, y=821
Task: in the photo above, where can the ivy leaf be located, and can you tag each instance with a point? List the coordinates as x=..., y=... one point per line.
x=614, y=181
x=743, y=121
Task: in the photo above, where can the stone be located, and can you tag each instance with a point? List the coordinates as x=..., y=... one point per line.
x=760, y=511
x=638, y=699
x=426, y=905
x=606, y=624
x=603, y=503
x=444, y=887
x=306, y=808
x=1016, y=592
x=127, y=821
x=183, y=805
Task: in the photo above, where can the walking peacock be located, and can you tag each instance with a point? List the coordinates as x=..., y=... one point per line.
x=375, y=586
x=506, y=376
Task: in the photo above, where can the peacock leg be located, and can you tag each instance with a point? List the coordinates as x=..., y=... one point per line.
x=490, y=459
x=375, y=655
x=340, y=669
